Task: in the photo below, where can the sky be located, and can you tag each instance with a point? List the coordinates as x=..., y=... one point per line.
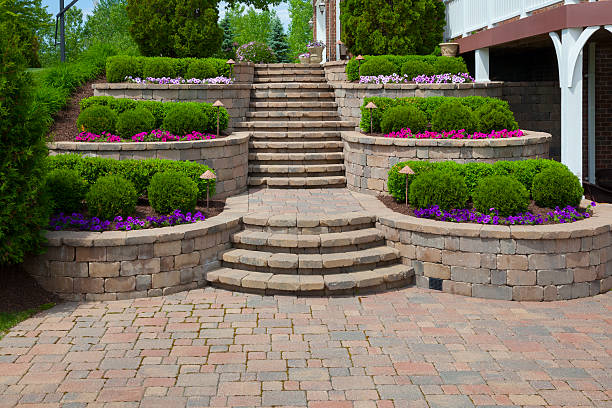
x=282, y=10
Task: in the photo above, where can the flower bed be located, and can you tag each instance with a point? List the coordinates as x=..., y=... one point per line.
x=455, y=134
x=156, y=135
x=395, y=78
x=179, y=80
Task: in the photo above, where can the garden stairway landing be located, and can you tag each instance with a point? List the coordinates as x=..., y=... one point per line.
x=295, y=128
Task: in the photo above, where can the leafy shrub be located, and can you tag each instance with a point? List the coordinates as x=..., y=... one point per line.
x=66, y=189
x=445, y=189
x=444, y=65
x=557, y=187
x=139, y=172
x=111, y=196
x=256, y=52
x=201, y=69
x=352, y=68
x=158, y=67
x=171, y=191
x=120, y=66
x=503, y=193
x=453, y=115
x=495, y=115
x=97, y=119
x=401, y=117
x=375, y=66
x=415, y=68
x=134, y=121
x=183, y=119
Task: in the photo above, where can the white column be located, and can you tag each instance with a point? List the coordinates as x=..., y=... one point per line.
x=321, y=27
x=337, y=30
x=571, y=104
x=482, y=65
x=591, y=107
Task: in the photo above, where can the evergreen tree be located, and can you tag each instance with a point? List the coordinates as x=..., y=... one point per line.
x=278, y=41
x=227, y=46
x=300, y=32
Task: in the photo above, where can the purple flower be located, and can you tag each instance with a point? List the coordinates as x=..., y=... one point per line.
x=455, y=134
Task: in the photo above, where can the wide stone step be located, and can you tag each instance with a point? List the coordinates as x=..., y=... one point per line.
x=276, y=135
x=308, y=224
x=293, y=115
x=295, y=86
x=298, y=182
x=353, y=282
x=322, y=156
x=272, y=95
x=308, y=244
x=297, y=105
x=306, y=125
x=276, y=71
x=288, y=65
x=277, y=77
x=263, y=146
x=295, y=170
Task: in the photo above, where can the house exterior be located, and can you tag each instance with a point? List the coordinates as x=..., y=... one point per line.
x=559, y=51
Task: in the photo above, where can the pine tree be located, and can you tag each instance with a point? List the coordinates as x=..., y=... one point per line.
x=278, y=41
x=227, y=46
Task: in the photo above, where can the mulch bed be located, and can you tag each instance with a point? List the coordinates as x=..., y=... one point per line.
x=19, y=291
x=402, y=208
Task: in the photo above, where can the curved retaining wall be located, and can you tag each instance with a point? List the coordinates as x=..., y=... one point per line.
x=228, y=156
x=116, y=265
x=534, y=263
x=368, y=159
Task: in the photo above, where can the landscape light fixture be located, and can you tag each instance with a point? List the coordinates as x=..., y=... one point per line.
x=209, y=175
x=359, y=58
x=231, y=63
x=407, y=171
x=371, y=106
x=218, y=104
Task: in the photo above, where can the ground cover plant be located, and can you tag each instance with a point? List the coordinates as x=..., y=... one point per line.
x=395, y=78
x=120, y=67
x=498, y=194
x=406, y=133
x=405, y=66
x=176, y=81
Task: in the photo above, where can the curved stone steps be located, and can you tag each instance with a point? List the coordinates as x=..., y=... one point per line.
x=300, y=135
x=287, y=105
x=296, y=169
x=294, y=157
x=291, y=146
x=298, y=182
x=292, y=115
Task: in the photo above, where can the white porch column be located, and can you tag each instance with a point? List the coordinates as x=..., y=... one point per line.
x=337, y=30
x=482, y=65
x=591, y=113
x=571, y=104
x=322, y=25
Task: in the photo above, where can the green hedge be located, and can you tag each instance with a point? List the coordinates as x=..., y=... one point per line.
x=139, y=172
x=524, y=171
x=118, y=67
x=437, y=64
x=426, y=105
x=158, y=109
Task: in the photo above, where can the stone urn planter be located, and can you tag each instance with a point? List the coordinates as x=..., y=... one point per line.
x=315, y=48
x=449, y=49
x=304, y=58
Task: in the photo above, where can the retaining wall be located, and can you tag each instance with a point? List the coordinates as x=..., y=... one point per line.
x=368, y=159
x=228, y=156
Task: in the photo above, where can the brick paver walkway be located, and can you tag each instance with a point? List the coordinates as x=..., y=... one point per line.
x=406, y=348
x=304, y=201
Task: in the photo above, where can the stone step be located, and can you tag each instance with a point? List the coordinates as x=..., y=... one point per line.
x=298, y=182
x=264, y=146
x=309, y=264
x=353, y=282
x=277, y=78
x=306, y=125
x=301, y=135
x=285, y=65
x=295, y=170
x=271, y=95
x=308, y=224
x=298, y=105
x=308, y=244
x=294, y=157
x=292, y=87
x=276, y=71
x=292, y=115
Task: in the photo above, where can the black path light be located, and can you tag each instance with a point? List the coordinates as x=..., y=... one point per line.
x=407, y=171
x=231, y=63
x=208, y=176
x=218, y=104
x=371, y=106
x=359, y=58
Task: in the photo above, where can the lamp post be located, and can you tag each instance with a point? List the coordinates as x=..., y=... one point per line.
x=359, y=58
x=231, y=63
x=208, y=175
x=218, y=104
x=407, y=171
x=371, y=106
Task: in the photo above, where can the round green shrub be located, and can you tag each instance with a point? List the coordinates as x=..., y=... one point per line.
x=375, y=66
x=171, y=191
x=134, y=121
x=403, y=117
x=452, y=65
x=256, y=52
x=97, y=119
x=120, y=66
x=453, y=115
x=495, y=115
x=445, y=189
x=201, y=69
x=111, y=196
x=158, y=68
x=184, y=118
x=503, y=193
x=66, y=189
x=416, y=68
x=557, y=187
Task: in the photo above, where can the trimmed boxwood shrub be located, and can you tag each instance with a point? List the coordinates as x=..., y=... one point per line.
x=502, y=193
x=97, y=119
x=183, y=119
x=138, y=172
x=495, y=115
x=201, y=69
x=445, y=65
x=158, y=68
x=171, y=191
x=111, y=196
x=445, y=189
x=66, y=189
x=416, y=68
x=375, y=66
x=118, y=67
x=453, y=115
x=557, y=187
x=134, y=121
x=352, y=68
x=403, y=117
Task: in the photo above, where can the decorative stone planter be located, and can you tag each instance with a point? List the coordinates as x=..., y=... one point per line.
x=316, y=54
x=449, y=49
x=304, y=60
x=368, y=159
x=116, y=265
x=228, y=156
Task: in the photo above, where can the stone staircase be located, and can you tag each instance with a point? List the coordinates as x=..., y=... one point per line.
x=333, y=254
x=295, y=128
